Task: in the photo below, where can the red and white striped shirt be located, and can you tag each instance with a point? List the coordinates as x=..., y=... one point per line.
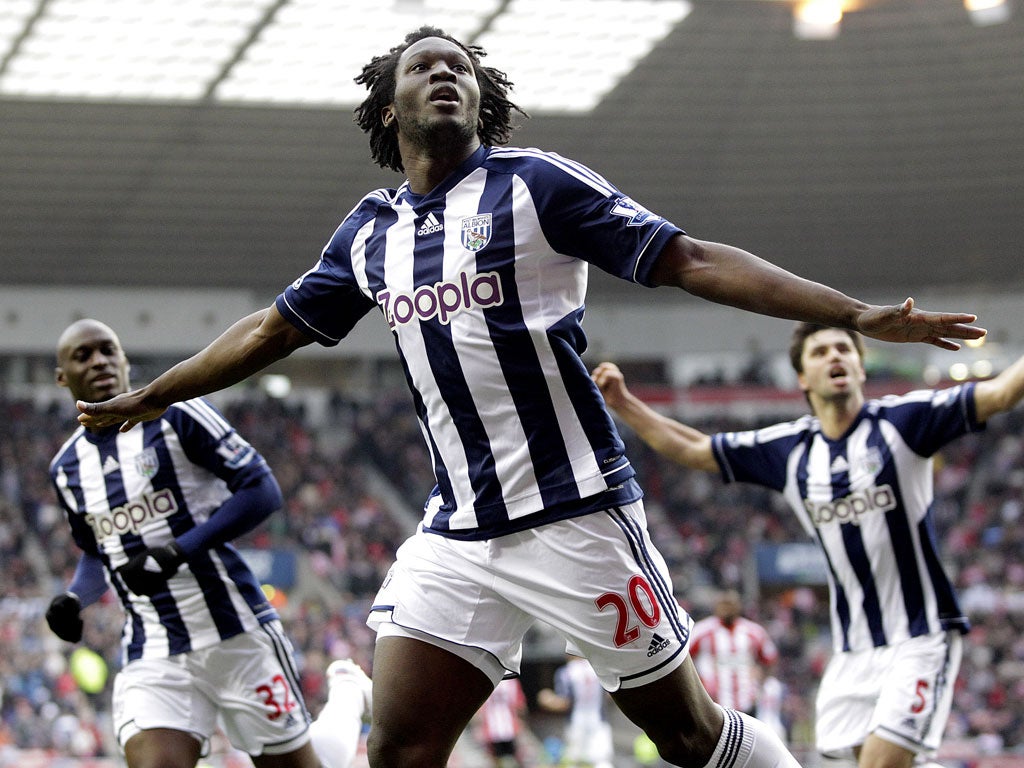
x=728, y=659
x=499, y=717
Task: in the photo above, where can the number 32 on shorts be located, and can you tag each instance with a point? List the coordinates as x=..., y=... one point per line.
x=277, y=696
x=637, y=605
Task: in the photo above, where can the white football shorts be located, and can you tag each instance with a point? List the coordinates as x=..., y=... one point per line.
x=248, y=685
x=597, y=579
x=589, y=742
x=901, y=693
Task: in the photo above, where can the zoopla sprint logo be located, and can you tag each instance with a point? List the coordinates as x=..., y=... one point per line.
x=851, y=508
x=133, y=515
x=442, y=300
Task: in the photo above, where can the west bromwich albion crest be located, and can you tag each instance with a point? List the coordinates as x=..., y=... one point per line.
x=476, y=231
x=147, y=463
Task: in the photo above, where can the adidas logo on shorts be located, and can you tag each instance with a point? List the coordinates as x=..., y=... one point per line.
x=430, y=225
x=658, y=644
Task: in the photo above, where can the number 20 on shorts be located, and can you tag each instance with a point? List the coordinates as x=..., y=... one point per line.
x=637, y=605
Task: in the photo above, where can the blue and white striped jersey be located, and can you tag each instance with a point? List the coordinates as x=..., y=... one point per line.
x=577, y=681
x=866, y=499
x=124, y=492
x=482, y=282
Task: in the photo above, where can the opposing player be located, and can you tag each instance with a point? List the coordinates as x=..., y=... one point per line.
x=733, y=654
x=478, y=264
x=154, y=512
x=500, y=723
x=858, y=475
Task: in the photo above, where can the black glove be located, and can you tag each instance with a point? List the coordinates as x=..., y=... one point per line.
x=147, y=572
x=65, y=617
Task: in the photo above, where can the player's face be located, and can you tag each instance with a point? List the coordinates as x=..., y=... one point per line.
x=832, y=365
x=91, y=363
x=437, y=97
x=728, y=608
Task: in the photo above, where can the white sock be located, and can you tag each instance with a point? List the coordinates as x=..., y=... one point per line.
x=335, y=733
x=748, y=743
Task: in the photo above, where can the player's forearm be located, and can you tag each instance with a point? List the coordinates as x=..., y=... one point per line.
x=678, y=442
x=248, y=346
x=89, y=582
x=245, y=509
x=1000, y=393
x=553, y=702
x=729, y=275
x=643, y=420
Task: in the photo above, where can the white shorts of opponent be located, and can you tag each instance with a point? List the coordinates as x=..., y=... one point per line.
x=902, y=693
x=597, y=579
x=588, y=741
x=247, y=685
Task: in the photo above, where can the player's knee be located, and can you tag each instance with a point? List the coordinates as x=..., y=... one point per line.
x=383, y=751
x=684, y=746
x=379, y=753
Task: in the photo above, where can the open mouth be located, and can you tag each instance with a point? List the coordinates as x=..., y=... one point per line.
x=445, y=94
x=837, y=372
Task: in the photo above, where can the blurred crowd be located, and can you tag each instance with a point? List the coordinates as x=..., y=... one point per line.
x=354, y=476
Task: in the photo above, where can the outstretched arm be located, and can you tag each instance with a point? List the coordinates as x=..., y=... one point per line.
x=248, y=346
x=729, y=275
x=1000, y=393
x=680, y=443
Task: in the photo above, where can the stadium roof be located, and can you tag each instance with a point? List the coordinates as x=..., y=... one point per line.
x=889, y=155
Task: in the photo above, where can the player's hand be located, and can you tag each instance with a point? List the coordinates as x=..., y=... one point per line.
x=611, y=382
x=147, y=572
x=127, y=410
x=551, y=701
x=902, y=322
x=65, y=617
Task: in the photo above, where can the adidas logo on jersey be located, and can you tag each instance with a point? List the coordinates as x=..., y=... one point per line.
x=430, y=225
x=839, y=464
x=658, y=644
x=110, y=465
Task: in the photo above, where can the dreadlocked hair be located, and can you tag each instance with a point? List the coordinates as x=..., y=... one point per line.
x=495, y=125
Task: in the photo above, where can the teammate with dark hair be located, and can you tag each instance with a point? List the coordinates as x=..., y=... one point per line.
x=858, y=475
